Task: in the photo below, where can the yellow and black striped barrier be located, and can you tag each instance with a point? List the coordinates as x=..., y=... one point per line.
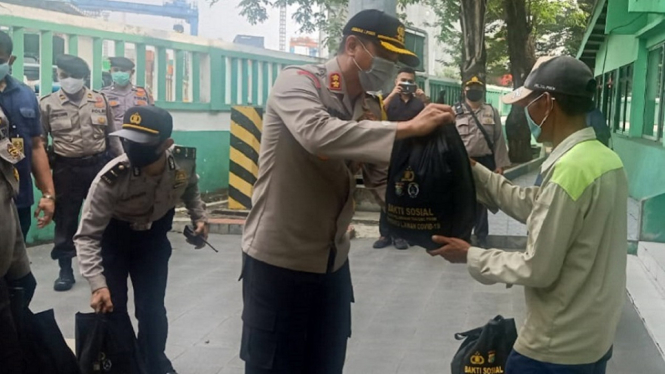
x=246, y=127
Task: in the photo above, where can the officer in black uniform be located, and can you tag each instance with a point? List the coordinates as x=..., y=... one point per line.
x=125, y=219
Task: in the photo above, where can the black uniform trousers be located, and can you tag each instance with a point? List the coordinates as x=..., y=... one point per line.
x=482, y=227
x=72, y=178
x=144, y=257
x=384, y=229
x=11, y=358
x=294, y=322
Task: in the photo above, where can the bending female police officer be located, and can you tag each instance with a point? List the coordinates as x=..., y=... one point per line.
x=296, y=281
x=125, y=219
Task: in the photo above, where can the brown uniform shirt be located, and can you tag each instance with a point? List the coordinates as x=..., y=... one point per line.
x=14, y=263
x=122, y=98
x=474, y=141
x=79, y=129
x=127, y=194
x=314, y=139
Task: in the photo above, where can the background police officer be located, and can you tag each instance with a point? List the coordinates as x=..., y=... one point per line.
x=481, y=130
x=126, y=217
x=79, y=121
x=316, y=129
x=14, y=263
x=122, y=94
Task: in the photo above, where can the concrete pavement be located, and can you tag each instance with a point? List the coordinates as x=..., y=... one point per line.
x=408, y=306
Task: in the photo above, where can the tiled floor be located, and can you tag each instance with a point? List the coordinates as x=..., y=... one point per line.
x=408, y=306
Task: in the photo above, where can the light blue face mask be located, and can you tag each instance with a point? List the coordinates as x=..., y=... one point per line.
x=121, y=78
x=536, y=129
x=4, y=70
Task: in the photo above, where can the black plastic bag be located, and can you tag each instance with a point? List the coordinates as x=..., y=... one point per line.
x=106, y=343
x=485, y=350
x=43, y=348
x=430, y=189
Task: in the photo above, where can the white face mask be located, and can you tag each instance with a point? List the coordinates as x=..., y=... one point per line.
x=72, y=85
x=375, y=78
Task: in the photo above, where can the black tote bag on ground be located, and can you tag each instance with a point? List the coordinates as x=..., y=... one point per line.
x=106, y=344
x=485, y=349
x=43, y=347
x=430, y=189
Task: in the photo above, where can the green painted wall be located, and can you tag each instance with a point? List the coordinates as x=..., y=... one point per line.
x=644, y=161
x=212, y=159
x=622, y=51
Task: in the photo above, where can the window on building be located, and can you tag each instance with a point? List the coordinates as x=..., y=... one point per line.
x=623, y=99
x=654, y=111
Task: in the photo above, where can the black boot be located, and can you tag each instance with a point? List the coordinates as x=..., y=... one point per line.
x=66, y=280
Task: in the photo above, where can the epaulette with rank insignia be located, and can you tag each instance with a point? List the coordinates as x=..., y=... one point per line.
x=184, y=152
x=112, y=175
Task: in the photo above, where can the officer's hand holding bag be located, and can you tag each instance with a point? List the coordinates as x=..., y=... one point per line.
x=101, y=301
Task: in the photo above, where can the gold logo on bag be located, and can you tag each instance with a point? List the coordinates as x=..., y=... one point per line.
x=409, y=175
x=477, y=359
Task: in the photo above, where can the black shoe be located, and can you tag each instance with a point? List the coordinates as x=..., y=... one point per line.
x=382, y=242
x=65, y=281
x=401, y=244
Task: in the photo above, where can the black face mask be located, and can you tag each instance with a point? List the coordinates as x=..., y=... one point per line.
x=474, y=95
x=140, y=155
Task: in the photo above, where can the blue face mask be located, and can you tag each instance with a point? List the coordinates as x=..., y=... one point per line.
x=4, y=70
x=121, y=78
x=536, y=129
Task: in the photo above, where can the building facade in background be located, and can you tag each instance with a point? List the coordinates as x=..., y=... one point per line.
x=625, y=46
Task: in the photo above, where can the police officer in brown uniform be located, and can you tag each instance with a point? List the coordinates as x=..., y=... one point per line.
x=481, y=130
x=122, y=94
x=79, y=121
x=125, y=219
x=14, y=263
x=316, y=129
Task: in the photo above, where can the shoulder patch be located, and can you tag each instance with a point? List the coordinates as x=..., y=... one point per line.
x=312, y=77
x=184, y=152
x=112, y=175
x=576, y=170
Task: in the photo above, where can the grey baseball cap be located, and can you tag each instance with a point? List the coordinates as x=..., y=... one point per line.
x=562, y=75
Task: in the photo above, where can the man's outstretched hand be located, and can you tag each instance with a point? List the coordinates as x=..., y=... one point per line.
x=454, y=250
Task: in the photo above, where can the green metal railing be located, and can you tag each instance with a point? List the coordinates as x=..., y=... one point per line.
x=188, y=73
x=453, y=91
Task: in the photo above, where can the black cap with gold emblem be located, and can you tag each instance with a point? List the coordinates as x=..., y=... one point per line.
x=148, y=125
x=387, y=30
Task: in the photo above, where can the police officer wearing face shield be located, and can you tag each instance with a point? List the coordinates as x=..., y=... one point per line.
x=126, y=217
x=79, y=121
x=122, y=94
x=318, y=128
x=481, y=130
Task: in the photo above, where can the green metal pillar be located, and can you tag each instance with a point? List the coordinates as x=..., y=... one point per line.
x=119, y=48
x=140, y=65
x=162, y=62
x=97, y=51
x=18, y=39
x=217, y=80
x=179, y=74
x=196, y=77
x=73, y=45
x=46, y=63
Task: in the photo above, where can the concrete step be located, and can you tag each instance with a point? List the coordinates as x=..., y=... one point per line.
x=646, y=289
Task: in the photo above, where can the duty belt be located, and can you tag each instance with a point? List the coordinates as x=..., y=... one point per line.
x=81, y=161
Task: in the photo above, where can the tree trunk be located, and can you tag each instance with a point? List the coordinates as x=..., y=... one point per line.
x=474, y=54
x=521, y=51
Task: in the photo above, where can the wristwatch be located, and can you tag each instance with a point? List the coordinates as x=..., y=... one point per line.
x=50, y=197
